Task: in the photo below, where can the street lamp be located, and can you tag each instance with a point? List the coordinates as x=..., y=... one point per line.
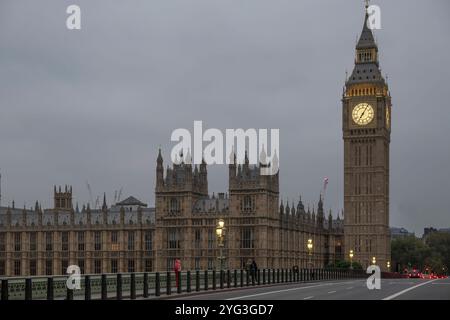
x=351, y=259
x=388, y=265
x=310, y=247
x=374, y=260
x=220, y=233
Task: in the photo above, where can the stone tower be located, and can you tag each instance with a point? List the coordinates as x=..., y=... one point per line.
x=177, y=190
x=254, y=222
x=366, y=126
x=62, y=198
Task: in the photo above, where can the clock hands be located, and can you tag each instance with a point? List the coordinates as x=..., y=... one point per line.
x=363, y=112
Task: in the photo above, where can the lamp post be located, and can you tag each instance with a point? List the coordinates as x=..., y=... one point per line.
x=351, y=259
x=220, y=233
x=388, y=265
x=309, y=245
x=374, y=260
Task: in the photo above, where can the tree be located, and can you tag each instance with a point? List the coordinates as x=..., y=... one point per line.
x=409, y=252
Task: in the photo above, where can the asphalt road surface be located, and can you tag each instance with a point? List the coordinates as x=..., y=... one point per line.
x=391, y=289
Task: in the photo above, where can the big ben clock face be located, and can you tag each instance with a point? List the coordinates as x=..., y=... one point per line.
x=363, y=114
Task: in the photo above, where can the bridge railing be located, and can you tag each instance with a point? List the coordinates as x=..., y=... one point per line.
x=157, y=284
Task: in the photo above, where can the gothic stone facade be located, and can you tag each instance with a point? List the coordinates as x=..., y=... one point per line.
x=107, y=240
x=257, y=226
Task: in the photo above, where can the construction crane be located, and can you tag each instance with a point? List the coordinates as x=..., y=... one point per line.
x=115, y=196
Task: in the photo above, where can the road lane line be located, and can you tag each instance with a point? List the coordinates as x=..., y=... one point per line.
x=332, y=291
x=406, y=290
x=307, y=298
x=278, y=291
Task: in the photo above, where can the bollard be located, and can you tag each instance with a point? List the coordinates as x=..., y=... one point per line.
x=242, y=278
x=290, y=275
x=247, y=277
x=168, y=284
x=49, y=289
x=214, y=279
x=157, y=285
x=197, y=280
x=188, y=281
x=264, y=276
x=69, y=294
x=133, y=286
x=104, y=287
x=278, y=275
x=87, y=287
x=179, y=281
x=221, y=278
x=259, y=277
x=5, y=294
x=145, y=290
x=206, y=280
x=119, y=287
x=235, y=278
x=228, y=279
x=28, y=289
x=268, y=276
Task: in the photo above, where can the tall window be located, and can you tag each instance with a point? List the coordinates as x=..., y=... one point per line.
x=81, y=265
x=148, y=240
x=130, y=240
x=49, y=267
x=2, y=241
x=80, y=238
x=97, y=266
x=148, y=265
x=64, y=265
x=130, y=265
x=17, y=241
x=114, y=266
x=210, y=263
x=65, y=241
x=198, y=239
x=17, y=266
x=2, y=268
x=173, y=239
x=33, y=268
x=174, y=206
x=247, y=238
x=97, y=240
x=48, y=241
x=211, y=238
x=115, y=241
x=33, y=241
x=197, y=264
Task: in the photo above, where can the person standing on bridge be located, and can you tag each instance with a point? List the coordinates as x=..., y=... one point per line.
x=254, y=271
x=177, y=269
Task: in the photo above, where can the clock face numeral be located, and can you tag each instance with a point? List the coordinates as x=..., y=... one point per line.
x=363, y=114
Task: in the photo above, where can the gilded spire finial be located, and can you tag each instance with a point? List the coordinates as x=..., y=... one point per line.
x=367, y=3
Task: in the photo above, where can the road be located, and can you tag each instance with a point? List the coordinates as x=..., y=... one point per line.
x=391, y=289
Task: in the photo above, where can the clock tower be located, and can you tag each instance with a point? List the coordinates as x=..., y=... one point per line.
x=366, y=128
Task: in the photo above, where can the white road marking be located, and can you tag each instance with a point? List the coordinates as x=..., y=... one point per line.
x=406, y=290
x=278, y=291
x=332, y=291
x=307, y=298
x=441, y=282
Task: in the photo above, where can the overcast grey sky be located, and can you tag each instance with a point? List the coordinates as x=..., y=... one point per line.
x=95, y=104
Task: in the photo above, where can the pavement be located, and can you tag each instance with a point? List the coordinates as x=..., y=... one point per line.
x=391, y=289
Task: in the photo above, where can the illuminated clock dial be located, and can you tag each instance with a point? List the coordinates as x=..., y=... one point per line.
x=363, y=114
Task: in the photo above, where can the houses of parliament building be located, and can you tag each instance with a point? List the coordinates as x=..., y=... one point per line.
x=128, y=236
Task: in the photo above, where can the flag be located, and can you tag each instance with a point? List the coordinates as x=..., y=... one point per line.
x=325, y=183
